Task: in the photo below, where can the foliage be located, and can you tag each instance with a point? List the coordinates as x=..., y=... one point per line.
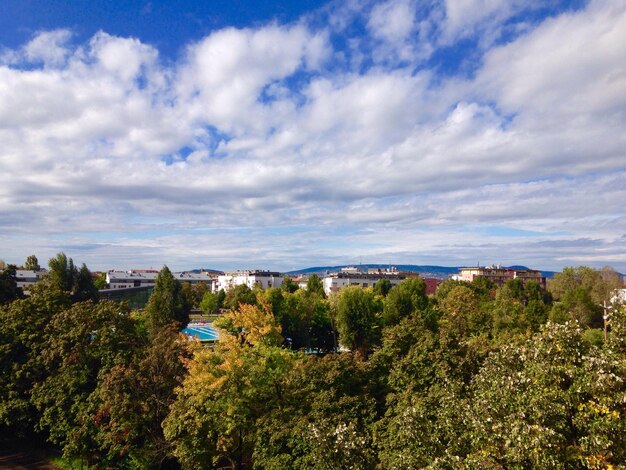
x=599, y=285
x=84, y=341
x=209, y=303
x=314, y=285
x=227, y=390
x=134, y=398
x=167, y=303
x=404, y=299
x=101, y=282
x=551, y=402
x=358, y=319
x=22, y=339
x=194, y=293
x=8, y=285
x=382, y=287
x=32, y=263
x=65, y=276
x=324, y=420
x=239, y=295
x=288, y=285
x=472, y=378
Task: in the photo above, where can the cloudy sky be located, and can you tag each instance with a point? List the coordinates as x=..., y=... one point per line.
x=288, y=134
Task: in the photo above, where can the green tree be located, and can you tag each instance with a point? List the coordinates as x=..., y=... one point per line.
x=404, y=299
x=62, y=272
x=134, y=398
x=83, y=343
x=65, y=276
x=358, y=319
x=314, y=285
x=288, y=285
x=382, y=287
x=32, y=263
x=209, y=302
x=238, y=295
x=84, y=287
x=22, y=338
x=324, y=420
x=550, y=402
x=167, y=303
x=599, y=284
x=100, y=282
x=8, y=285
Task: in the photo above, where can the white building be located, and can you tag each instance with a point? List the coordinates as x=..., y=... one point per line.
x=336, y=281
x=26, y=278
x=251, y=278
x=147, y=277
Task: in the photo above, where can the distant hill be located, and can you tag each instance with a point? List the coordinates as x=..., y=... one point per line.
x=438, y=272
x=199, y=270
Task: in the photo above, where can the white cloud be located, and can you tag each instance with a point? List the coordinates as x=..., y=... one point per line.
x=49, y=47
x=118, y=156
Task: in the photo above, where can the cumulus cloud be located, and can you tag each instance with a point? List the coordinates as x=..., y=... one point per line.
x=266, y=144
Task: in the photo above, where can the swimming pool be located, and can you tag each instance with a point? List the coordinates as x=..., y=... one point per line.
x=202, y=331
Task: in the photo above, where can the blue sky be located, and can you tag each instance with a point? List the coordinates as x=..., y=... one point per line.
x=241, y=134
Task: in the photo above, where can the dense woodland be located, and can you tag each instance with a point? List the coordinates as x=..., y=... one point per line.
x=472, y=377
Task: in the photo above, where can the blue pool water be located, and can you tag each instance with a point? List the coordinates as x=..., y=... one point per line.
x=202, y=331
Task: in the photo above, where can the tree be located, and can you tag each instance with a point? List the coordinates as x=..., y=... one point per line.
x=599, y=284
x=32, y=263
x=194, y=292
x=551, y=402
x=133, y=400
x=209, y=302
x=8, y=285
x=288, y=285
x=382, y=287
x=100, y=282
x=404, y=299
x=84, y=287
x=325, y=418
x=213, y=420
x=83, y=343
x=314, y=285
x=238, y=295
x=167, y=303
x=62, y=272
x=65, y=276
x=358, y=321
x=22, y=337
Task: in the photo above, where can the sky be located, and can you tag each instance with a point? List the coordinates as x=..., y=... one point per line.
x=280, y=135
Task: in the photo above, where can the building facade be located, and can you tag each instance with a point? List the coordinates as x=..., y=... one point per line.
x=147, y=278
x=26, y=278
x=334, y=282
x=499, y=275
x=251, y=278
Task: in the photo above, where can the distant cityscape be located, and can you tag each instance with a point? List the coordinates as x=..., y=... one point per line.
x=333, y=278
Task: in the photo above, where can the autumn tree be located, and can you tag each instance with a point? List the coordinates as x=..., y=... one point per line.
x=212, y=421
